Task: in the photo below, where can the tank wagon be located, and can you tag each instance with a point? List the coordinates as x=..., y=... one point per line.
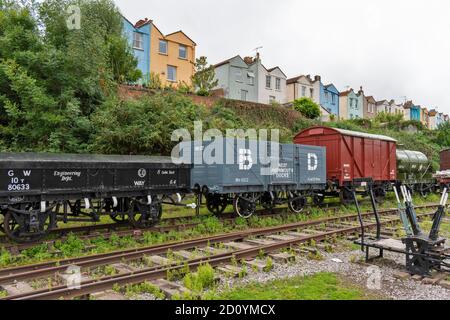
x=354, y=159
x=247, y=177
x=37, y=190
x=414, y=170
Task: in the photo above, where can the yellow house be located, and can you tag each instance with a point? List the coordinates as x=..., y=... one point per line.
x=172, y=56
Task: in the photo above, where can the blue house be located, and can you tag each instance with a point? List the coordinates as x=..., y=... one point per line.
x=139, y=39
x=329, y=98
x=414, y=111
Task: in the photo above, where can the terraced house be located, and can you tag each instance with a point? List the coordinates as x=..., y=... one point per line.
x=351, y=105
x=326, y=96
x=329, y=98
x=247, y=79
x=170, y=56
x=412, y=111
x=370, y=107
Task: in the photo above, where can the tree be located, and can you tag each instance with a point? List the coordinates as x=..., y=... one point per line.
x=203, y=79
x=51, y=78
x=443, y=134
x=307, y=108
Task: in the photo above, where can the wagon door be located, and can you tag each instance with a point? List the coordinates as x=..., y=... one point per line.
x=369, y=160
x=378, y=160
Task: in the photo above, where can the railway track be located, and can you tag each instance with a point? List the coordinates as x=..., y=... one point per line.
x=245, y=244
x=107, y=231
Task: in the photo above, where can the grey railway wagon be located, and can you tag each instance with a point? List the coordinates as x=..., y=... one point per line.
x=225, y=166
x=248, y=170
x=39, y=177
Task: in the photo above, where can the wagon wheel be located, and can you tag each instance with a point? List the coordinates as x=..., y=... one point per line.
x=267, y=201
x=119, y=218
x=16, y=226
x=425, y=190
x=143, y=216
x=346, y=197
x=297, y=203
x=318, y=199
x=118, y=215
x=380, y=195
x=75, y=208
x=216, y=203
x=244, y=205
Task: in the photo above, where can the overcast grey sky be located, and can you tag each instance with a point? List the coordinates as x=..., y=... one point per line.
x=393, y=48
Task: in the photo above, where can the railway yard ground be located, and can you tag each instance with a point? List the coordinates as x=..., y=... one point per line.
x=310, y=256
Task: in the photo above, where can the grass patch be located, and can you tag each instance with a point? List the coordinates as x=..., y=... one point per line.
x=322, y=286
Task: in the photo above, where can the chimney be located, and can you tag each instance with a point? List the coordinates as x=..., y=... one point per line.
x=317, y=78
x=257, y=56
x=361, y=91
x=141, y=22
x=248, y=60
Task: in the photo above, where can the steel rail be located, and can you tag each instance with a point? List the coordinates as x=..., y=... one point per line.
x=44, y=269
x=158, y=272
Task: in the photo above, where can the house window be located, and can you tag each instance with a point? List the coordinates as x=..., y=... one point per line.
x=244, y=95
x=278, y=84
x=182, y=52
x=311, y=92
x=138, y=40
x=163, y=46
x=327, y=97
x=272, y=99
x=238, y=76
x=251, y=78
x=333, y=99
x=268, y=82
x=303, y=91
x=172, y=73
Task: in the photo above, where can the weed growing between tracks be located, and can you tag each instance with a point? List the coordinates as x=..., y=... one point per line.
x=321, y=286
x=73, y=246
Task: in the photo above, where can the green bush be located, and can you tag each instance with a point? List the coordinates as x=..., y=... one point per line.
x=143, y=126
x=307, y=107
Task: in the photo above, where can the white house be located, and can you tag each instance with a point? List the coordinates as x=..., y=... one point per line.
x=248, y=79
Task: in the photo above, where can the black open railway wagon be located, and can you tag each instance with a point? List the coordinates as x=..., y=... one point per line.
x=37, y=190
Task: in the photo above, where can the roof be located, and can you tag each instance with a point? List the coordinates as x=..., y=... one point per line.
x=226, y=61
x=274, y=68
x=79, y=158
x=371, y=98
x=354, y=134
x=181, y=31
x=346, y=93
x=382, y=102
x=365, y=135
x=293, y=80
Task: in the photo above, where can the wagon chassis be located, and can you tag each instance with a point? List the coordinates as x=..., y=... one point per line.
x=29, y=219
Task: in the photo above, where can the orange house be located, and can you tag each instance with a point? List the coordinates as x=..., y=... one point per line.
x=171, y=56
